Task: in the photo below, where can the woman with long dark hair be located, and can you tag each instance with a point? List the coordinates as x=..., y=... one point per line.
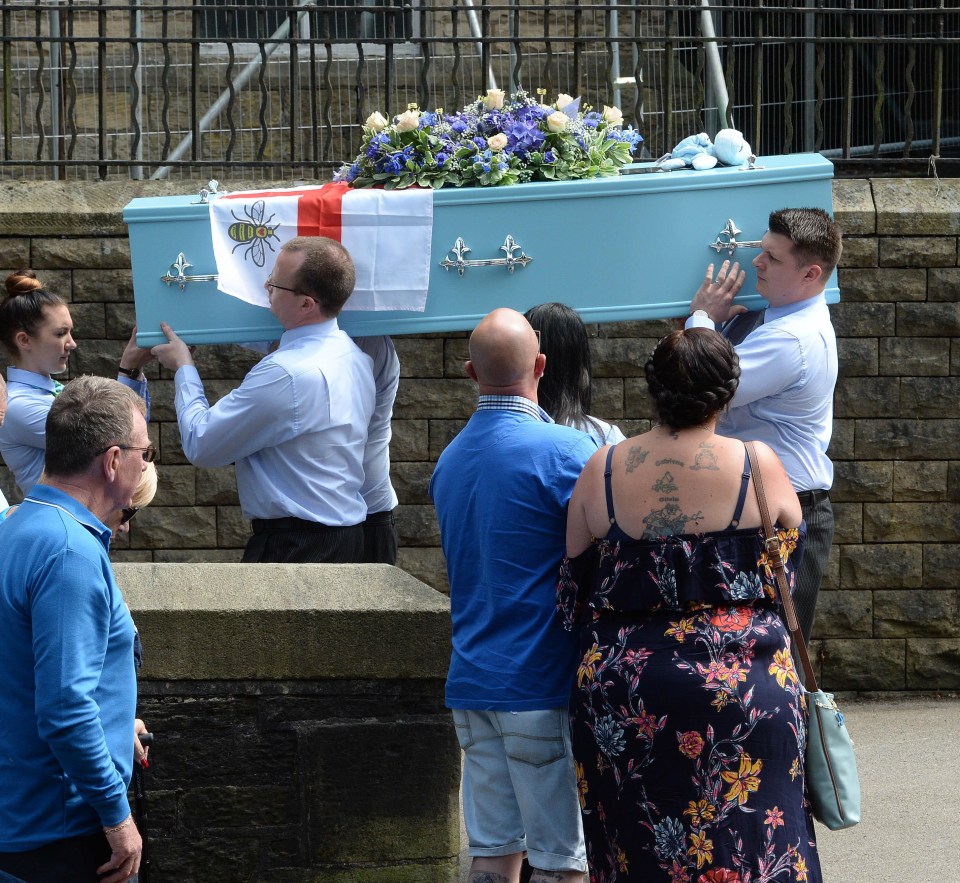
x=565, y=388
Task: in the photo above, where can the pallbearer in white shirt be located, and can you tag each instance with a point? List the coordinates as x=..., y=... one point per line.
x=380, y=530
x=296, y=428
x=788, y=368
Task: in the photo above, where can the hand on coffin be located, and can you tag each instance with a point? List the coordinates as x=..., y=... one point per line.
x=134, y=357
x=716, y=296
x=175, y=353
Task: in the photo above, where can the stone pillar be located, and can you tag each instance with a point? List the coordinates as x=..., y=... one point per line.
x=299, y=720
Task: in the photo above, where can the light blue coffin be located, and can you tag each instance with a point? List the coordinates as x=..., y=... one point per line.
x=632, y=247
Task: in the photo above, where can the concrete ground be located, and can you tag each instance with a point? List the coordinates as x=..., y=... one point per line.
x=907, y=755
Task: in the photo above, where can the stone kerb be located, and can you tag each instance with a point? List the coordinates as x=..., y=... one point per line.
x=299, y=719
x=283, y=621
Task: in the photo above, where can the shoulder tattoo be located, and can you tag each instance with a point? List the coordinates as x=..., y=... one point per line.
x=635, y=456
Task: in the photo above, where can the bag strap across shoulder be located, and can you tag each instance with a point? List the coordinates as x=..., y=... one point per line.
x=775, y=556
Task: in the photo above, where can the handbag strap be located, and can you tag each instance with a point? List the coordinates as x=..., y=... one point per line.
x=775, y=557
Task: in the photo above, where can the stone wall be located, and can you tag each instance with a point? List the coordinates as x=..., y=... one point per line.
x=299, y=723
x=888, y=617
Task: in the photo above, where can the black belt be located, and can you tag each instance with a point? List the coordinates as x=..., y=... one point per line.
x=811, y=498
x=261, y=525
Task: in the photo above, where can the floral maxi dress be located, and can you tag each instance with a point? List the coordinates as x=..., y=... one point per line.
x=687, y=716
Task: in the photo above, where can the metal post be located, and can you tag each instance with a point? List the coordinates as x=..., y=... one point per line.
x=56, y=74
x=809, y=85
x=136, y=87
x=477, y=32
x=716, y=87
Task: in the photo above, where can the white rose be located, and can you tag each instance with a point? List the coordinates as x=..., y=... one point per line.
x=494, y=99
x=557, y=121
x=613, y=115
x=408, y=121
x=563, y=100
x=497, y=142
x=376, y=121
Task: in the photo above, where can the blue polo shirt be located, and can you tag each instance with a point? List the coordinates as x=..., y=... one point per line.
x=501, y=490
x=68, y=701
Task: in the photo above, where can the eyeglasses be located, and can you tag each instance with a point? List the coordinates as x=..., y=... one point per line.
x=271, y=284
x=149, y=453
x=127, y=514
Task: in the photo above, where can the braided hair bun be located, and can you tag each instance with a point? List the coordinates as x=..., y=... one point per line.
x=692, y=375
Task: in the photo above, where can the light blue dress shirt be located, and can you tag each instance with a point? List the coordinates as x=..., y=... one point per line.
x=295, y=428
x=377, y=490
x=23, y=434
x=788, y=371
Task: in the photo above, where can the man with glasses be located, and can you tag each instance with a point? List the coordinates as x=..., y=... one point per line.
x=297, y=425
x=501, y=490
x=66, y=648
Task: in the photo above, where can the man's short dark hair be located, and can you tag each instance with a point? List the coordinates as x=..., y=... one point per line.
x=90, y=415
x=816, y=237
x=327, y=273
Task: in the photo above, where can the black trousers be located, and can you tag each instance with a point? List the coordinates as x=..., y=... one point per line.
x=295, y=541
x=818, y=513
x=380, y=538
x=74, y=860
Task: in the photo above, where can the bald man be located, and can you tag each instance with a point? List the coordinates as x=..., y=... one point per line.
x=501, y=490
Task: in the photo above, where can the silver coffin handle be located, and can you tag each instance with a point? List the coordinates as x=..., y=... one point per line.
x=460, y=263
x=731, y=232
x=181, y=264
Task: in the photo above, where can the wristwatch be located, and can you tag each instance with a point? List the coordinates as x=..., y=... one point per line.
x=132, y=373
x=697, y=314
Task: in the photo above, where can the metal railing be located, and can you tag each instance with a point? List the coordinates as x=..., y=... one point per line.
x=279, y=88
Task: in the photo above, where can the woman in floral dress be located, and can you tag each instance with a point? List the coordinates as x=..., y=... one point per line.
x=688, y=718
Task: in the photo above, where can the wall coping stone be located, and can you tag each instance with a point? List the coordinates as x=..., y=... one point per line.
x=86, y=208
x=917, y=206
x=286, y=621
x=853, y=207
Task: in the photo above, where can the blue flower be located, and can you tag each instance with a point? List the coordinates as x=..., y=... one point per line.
x=746, y=586
x=668, y=839
x=456, y=145
x=609, y=736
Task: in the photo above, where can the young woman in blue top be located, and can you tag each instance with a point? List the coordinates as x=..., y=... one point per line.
x=37, y=332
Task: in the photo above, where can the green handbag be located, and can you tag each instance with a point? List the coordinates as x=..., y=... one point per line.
x=831, y=766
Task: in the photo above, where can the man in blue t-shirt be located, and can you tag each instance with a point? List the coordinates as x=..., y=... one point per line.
x=501, y=490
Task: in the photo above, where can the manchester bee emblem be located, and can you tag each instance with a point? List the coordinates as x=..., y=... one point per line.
x=254, y=232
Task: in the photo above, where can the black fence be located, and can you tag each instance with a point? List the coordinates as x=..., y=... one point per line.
x=268, y=89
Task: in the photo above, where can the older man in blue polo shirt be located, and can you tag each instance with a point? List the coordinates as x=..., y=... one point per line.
x=296, y=428
x=788, y=368
x=501, y=490
x=66, y=649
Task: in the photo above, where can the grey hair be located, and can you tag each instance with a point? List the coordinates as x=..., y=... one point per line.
x=90, y=415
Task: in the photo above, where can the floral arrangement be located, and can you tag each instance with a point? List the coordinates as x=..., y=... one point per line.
x=493, y=141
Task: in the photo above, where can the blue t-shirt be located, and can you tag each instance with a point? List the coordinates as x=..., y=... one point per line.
x=68, y=701
x=501, y=490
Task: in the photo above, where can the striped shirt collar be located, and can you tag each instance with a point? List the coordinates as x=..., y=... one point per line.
x=514, y=403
